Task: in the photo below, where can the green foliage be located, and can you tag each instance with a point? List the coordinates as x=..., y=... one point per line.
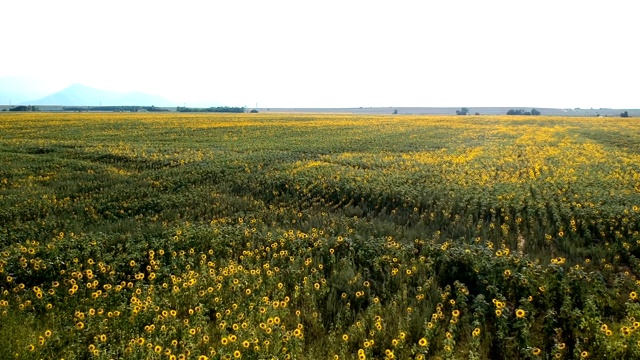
x=218, y=109
x=311, y=236
x=24, y=108
x=523, y=112
x=114, y=108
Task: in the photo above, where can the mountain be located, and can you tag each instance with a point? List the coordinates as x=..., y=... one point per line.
x=82, y=95
x=18, y=89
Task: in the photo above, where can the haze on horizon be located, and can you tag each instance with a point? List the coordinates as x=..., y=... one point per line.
x=332, y=53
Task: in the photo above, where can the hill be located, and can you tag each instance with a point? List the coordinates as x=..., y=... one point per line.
x=18, y=89
x=82, y=95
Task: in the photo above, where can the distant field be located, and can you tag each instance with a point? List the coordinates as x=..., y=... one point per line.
x=452, y=111
x=422, y=111
x=317, y=236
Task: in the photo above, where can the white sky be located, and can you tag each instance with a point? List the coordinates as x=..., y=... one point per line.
x=543, y=53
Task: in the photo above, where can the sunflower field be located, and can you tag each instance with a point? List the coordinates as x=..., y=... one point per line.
x=310, y=236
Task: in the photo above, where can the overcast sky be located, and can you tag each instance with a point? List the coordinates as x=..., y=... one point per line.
x=543, y=53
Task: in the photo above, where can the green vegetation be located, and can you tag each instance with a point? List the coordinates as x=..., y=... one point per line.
x=218, y=109
x=312, y=236
x=114, y=108
x=523, y=112
x=24, y=108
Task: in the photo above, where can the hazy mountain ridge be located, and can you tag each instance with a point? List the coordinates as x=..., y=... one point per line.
x=24, y=90
x=82, y=95
x=18, y=89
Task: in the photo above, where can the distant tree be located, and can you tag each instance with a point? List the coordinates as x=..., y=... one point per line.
x=155, y=109
x=463, y=111
x=523, y=112
x=624, y=114
x=395, y=111
x=218, y=109
x=477, y=113
x=254, y=111
x=25, y=108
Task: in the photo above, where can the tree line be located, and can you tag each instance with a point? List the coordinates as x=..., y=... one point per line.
x=24, y=108
x=218, y=109
x=523, y=112
x=113, y=108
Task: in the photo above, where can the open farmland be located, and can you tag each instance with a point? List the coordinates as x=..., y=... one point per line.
x=161, y=236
